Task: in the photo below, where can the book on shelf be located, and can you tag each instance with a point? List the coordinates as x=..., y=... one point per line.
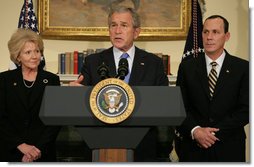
x=166, y=62
x=61, y=63
x=76, y=59
x=169, y=71
x=98, y=50
x=75, y=62
x=72, y=62
x=80, y=61
x=67, y=62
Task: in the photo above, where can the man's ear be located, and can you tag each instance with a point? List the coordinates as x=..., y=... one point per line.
x=137, y=32
x=227, y=36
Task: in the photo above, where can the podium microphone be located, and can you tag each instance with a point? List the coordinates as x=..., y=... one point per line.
x=103, y=71
x=123, y=67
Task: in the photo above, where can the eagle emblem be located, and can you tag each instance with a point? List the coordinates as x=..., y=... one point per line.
x=111, y=101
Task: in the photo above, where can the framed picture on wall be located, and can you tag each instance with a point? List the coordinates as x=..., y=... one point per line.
x=87, y=19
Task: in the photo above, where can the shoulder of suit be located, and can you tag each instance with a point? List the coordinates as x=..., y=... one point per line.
x=48, y=73
x=191, y=61
x=9, y=72
x=145, y=54
x=237, y=59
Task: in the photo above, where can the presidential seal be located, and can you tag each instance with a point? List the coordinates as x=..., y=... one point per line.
x=112, y=101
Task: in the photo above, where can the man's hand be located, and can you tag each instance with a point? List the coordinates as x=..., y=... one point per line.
x=31, y=153
x=26, y=159
x=77, y=82
x=205, y=137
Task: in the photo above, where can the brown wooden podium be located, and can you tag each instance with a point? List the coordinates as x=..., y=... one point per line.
x=112, y=155
x=155, y=106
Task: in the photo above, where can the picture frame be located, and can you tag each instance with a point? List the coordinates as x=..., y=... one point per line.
x=161, y=20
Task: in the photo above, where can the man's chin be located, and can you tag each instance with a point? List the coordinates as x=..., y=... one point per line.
x=118, y=45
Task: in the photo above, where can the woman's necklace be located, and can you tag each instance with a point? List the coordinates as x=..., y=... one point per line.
x=28, y=86
x=32, y=75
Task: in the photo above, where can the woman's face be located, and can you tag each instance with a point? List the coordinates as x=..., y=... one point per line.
x=30, y=56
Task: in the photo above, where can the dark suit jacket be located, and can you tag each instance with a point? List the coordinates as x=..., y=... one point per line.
x=19, y=115
x=147, y=70
x=228, y=110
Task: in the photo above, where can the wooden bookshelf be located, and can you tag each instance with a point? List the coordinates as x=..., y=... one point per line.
x=172, y=80
x=66, y=78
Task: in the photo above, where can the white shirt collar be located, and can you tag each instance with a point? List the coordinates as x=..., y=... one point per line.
x=118, y=53
x=219, y=62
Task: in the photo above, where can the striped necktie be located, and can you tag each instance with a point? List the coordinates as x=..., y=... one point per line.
x=212, y=79
x=127, y=77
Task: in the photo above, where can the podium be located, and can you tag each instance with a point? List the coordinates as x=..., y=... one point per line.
x=155, y=106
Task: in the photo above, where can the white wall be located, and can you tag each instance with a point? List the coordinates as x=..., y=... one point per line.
x=236, y=11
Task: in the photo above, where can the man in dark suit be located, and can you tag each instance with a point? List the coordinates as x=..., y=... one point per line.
x=216, y=100
x=146, y=69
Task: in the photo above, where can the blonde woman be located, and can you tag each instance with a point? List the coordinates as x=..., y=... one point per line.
x=24, y=137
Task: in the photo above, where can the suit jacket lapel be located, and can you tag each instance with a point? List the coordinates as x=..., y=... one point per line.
x=223, y=76
x=202, y=73
x=108, y=58
x=36, y=92
x=38, y=88
x=138, y=67
x=19, y=86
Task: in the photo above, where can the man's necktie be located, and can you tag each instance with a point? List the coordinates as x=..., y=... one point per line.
x=127, y=77
x=212, y=79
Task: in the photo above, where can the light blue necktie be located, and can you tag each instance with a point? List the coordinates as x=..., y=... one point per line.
x=127, y=77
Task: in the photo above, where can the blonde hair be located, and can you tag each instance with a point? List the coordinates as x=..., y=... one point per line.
x=18, y=40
